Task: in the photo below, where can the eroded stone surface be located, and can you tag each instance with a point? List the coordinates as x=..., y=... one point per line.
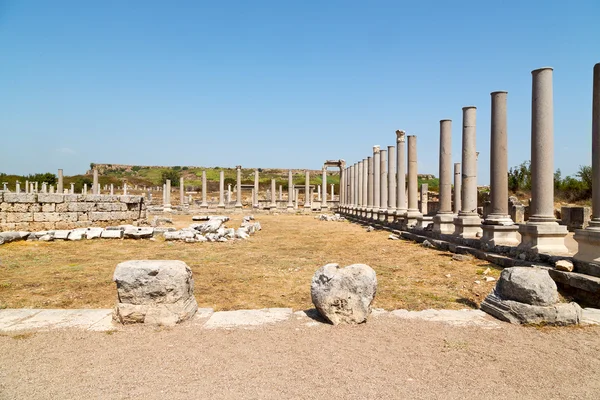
x=527, y=285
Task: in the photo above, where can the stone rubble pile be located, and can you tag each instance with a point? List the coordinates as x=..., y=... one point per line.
x=525, y=295
x=330, y=217
x=212, y=230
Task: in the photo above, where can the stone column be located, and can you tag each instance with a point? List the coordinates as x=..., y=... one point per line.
x=391, y=206
x=273, y=204
x=400, y=176
x=290, y=204
x=412, y=214
x=181, y=192
x=17, y=187
x=221, y=190
x=365, y=185
x=456, y=205
x=228, y=193
x=72, y=191
x=238, y=195
x=468, y=223
x=307, y=199
x=383, y=182
x=112, y=189
x=588, y=239
x=296, y=193
x=26, y=186
x=324, y=191
x=204, y=203
x=95, y=185
x=319, y=193
x=498, y=227
x=4, y=186
x=60, y=186
x=167, y=206
x=376, y=180
x=370, y=187
x=541, y=233
x=255, y=202
x=84, y=190
x=443, y=221
x=424, y=198
x=351, y=188
x=361, y=183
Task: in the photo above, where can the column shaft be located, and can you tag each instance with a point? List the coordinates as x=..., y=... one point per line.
x=499, y=158
x=457, y=188
x=376, y=178
x=307, y=189
x=221, y=189
x=391, y=174
x=413, y=204
x=324, y=190
x=469, y=162
x=360, y=202
x=290, y=203
x=400, y=173
x=370, y=183
x=445, y=167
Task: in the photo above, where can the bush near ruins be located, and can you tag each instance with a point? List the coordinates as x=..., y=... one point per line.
x=173, y=175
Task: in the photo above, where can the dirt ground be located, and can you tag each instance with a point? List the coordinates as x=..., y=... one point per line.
x=386, y=358
x=273, y=268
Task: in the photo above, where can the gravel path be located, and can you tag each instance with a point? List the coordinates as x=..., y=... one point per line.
x=387, y=358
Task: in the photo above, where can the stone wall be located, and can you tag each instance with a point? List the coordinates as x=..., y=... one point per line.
x=45, y=211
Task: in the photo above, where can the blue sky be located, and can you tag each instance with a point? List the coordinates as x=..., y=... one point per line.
x=282, y=84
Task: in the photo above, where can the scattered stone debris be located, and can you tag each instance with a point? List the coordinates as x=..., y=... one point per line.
x=462, y=257
x=212, y=230
x=477, y=282
x=393, y=237
x=370, y=228
x=564, y=265
x=344, y=295
x=487, y=271
x=489, y=279
x=161, y=221
x=525, y=295
x=448, y=276
x=428, y=244
x=330, y=217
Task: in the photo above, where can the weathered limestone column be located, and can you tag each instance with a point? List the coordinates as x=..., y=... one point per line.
x=307, y=199
x=60, y=187
x=332, y=191
x=361, y=183
x=228, y=193
x=365, y=186
x=376, y=180
x=324, y=191
x=273, y=204
x=319, y=193
x=391, y=204
x=112, y=189
x=588, y=239
x=351, y=188
x=400, y=176
x=412, y=214
x=443, y=221
x=290, y=204
x=26, y=186
x=255, y=202
x=95, y=180
x=181, y=192
x=204, y=204
x=457, y=203
x=84, y=190
x=383, y=188
x=468, y=223
x=296, y=195
x=370, y=187
x=238, y=195
x=498, y=228
x=72, y=191
x=221, y=189
x=541, y=233
x=424, y=198
x=17, y=187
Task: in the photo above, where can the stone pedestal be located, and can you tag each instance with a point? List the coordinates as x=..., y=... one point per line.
x=499, y=235
x=444, y=223
x=548, y=238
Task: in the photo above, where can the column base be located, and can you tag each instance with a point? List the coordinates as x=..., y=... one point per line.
x=467, y=226
x=588, y=241
x=444, y=223
x=382, y=215
x=203, y=205
x=411, y=219
x=546, y=237
x=499, y=235
x=423, y=222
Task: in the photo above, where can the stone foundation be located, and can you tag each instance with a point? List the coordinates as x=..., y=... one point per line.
x=46, y=211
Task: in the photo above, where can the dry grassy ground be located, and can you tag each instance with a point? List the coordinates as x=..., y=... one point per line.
x=271, y=269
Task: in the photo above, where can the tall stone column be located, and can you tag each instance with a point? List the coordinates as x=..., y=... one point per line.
x=221, y=190
x=413, y=213
x=273, y=204
x=351, y=197
x=256, y=188
x=356, y=187
x=383, y=188
x=280, y=192
x=457, y=203
x=95, y=182
x=468, y=223
x=498, y=228
x=424, y=198
x=443, y=221
x=167, y=195
x=361, y=177
x=204, y=204
x=391, y=205
x=290, y=204
x=400, y=176
x=588, y=239
x=61, y=186
x=376, y=180
x=541, y=233
x=238, y=194
x=324, y=191
x=369, y=186
x=181, y=192
x=307, y=199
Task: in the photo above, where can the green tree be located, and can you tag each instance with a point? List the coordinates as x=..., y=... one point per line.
x=172, y=175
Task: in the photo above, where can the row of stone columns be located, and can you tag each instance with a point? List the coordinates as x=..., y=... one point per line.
x=541, y=233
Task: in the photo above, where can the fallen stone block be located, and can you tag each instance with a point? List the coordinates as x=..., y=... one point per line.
x=138, y=233
x=93, y=233
x=61, y=234
x=200, y=218
x=77, y=234
x=527, y=285
x=154, y=292
x=112, y=234
x=344, y=295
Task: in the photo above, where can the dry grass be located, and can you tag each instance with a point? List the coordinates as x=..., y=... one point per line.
x=272, y=269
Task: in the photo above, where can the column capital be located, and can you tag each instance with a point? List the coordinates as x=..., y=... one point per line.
x=376, y=149
x=400, y=136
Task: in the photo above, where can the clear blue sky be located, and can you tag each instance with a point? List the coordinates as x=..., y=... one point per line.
x=282, y=84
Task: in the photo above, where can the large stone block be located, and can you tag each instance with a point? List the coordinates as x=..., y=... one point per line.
x=156, y=292
x=51, y=198
x=81, y=207
x=73, y=198
x=20, y=197
x=111, y=207
x=46, y=217
x=68, y=216
x=49, y=207
x=344, y=295
x=100, y=216
x=527, y=285
x=19, y=217
x=575, y=217
x=520, y=313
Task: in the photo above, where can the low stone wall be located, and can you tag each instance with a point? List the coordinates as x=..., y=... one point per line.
x=44, y=211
